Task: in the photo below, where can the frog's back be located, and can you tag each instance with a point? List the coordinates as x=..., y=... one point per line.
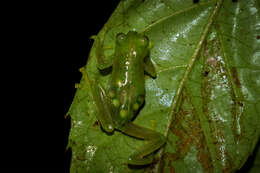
x=128, y=72
x=127, y=86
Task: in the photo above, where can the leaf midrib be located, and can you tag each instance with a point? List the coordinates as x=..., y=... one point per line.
x=181, y=85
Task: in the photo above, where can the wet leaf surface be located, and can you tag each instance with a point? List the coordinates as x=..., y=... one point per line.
x=205, y=98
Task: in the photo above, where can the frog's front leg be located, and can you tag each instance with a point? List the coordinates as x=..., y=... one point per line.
x=155, y=141
x=102, y=61
x=103, y=103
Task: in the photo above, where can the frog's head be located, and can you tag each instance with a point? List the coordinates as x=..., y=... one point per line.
x=135, y=43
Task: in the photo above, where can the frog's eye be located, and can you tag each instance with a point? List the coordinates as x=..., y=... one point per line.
x=144, y=40
x=120, y=36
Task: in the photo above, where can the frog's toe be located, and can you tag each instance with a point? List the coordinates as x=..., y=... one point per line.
x=108, y=128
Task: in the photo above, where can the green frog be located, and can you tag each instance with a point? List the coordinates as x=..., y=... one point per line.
x=118, y=105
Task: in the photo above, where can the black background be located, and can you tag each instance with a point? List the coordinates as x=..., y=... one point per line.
x=44, y=44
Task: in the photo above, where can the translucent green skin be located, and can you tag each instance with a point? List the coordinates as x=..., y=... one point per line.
x=127, y=92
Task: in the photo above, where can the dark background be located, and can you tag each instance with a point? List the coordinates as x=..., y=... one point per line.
x=44, y=45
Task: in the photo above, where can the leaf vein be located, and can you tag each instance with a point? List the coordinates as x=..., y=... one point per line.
x=186, y=74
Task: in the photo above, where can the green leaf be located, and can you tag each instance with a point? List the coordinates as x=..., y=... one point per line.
x=256, y=160
x=205, y=98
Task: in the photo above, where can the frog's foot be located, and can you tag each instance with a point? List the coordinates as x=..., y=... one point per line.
x=154, y=140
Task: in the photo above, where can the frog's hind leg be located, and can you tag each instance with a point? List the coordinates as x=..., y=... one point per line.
x=155, y=141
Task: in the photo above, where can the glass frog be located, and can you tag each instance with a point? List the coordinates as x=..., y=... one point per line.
x=118, y=105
